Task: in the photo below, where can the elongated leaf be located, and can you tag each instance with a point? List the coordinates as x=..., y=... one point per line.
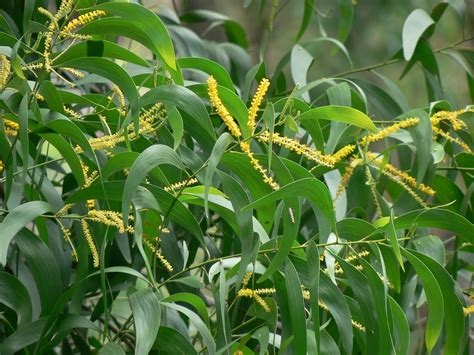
x=310, y=188
x=219, y=148
x=413, y=28
x=456, y=323
x=312, y=256
x=151, y=157
x=297, y=315
x=149, y=23
x=392, y=237
x=339, y=114
x=437, y=218
x=401, y=329
x=105, y=49
x=16, y=220
x=434, y=297
x=15, y=296
x=210, y=67
x=146, y=315
x=109, y=70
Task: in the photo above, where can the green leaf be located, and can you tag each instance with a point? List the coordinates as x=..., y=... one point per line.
x=415, y=25
x=111, y=348
x=456, y=323
x=149, y=23
x=109, y=70
x=18, y=218
x=307, y=12
x=15, y=296
x=437, y=218
x=393, y=238
x=217, y=152
x=209, y=67
x=193, y=300
x=297, y=314
x=199, y=125
x=301, y=60
x=43, y=266
x=103, y=48
x=151, y=157
x=312, y=257
x=146, y=315
x=171, y=341
x=346, y=13
x=339, y=114
x=311, y=188
x=434, y=297
x=401, y=328
x=198, y=323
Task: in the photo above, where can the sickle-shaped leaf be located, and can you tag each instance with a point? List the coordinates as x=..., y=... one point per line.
x=310, y=188
x=149, y=23
x=434, y=298
x=16, y=220
x=413, y=28
x=15, y=296
x=340, y=114
x=146, y=315
x=151, y=157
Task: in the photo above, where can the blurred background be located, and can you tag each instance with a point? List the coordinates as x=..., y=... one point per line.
x=375, y=36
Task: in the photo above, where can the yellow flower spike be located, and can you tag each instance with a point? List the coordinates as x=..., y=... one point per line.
x=468, y=310
x=406, y=123
x=245, y=146
x=400, y=175
x=71, y=112
x=373, y=191
x=343, y=152
x=11, y=127
x=74, y=72
x=246, y=279
x=5, y=69
x=220, y=108
x=256, y=102
x=2, y=166
x=109, y=218
x=67, y=237
x=166, y=264
x=451, y=117
x=247, y=292
x=120, y=98
x=449, y=138
x=262, y=303
x=81, y=21
x=344, y=181
x=181, y=184
x=90, y=243
x=295, y=146
x=146, y=121
x=357, y=325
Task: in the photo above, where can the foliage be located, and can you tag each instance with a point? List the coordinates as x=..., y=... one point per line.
x=161, y=194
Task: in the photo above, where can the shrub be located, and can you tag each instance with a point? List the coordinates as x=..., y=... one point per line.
x=161, y=194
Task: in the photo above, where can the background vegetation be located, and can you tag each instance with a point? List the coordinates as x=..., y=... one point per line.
x=236, y=177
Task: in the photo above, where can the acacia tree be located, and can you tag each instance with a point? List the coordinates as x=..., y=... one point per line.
x=162, y=193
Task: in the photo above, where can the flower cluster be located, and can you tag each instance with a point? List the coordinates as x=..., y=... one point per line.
x=80, y=21
x=221, y=109
x=5, y=69
x=406, y=123
x=257, y=294
x=11, y=128
x=295, y=146
x=245, y=146
x=90, y=242
x=256, y=102
x=181, y=184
